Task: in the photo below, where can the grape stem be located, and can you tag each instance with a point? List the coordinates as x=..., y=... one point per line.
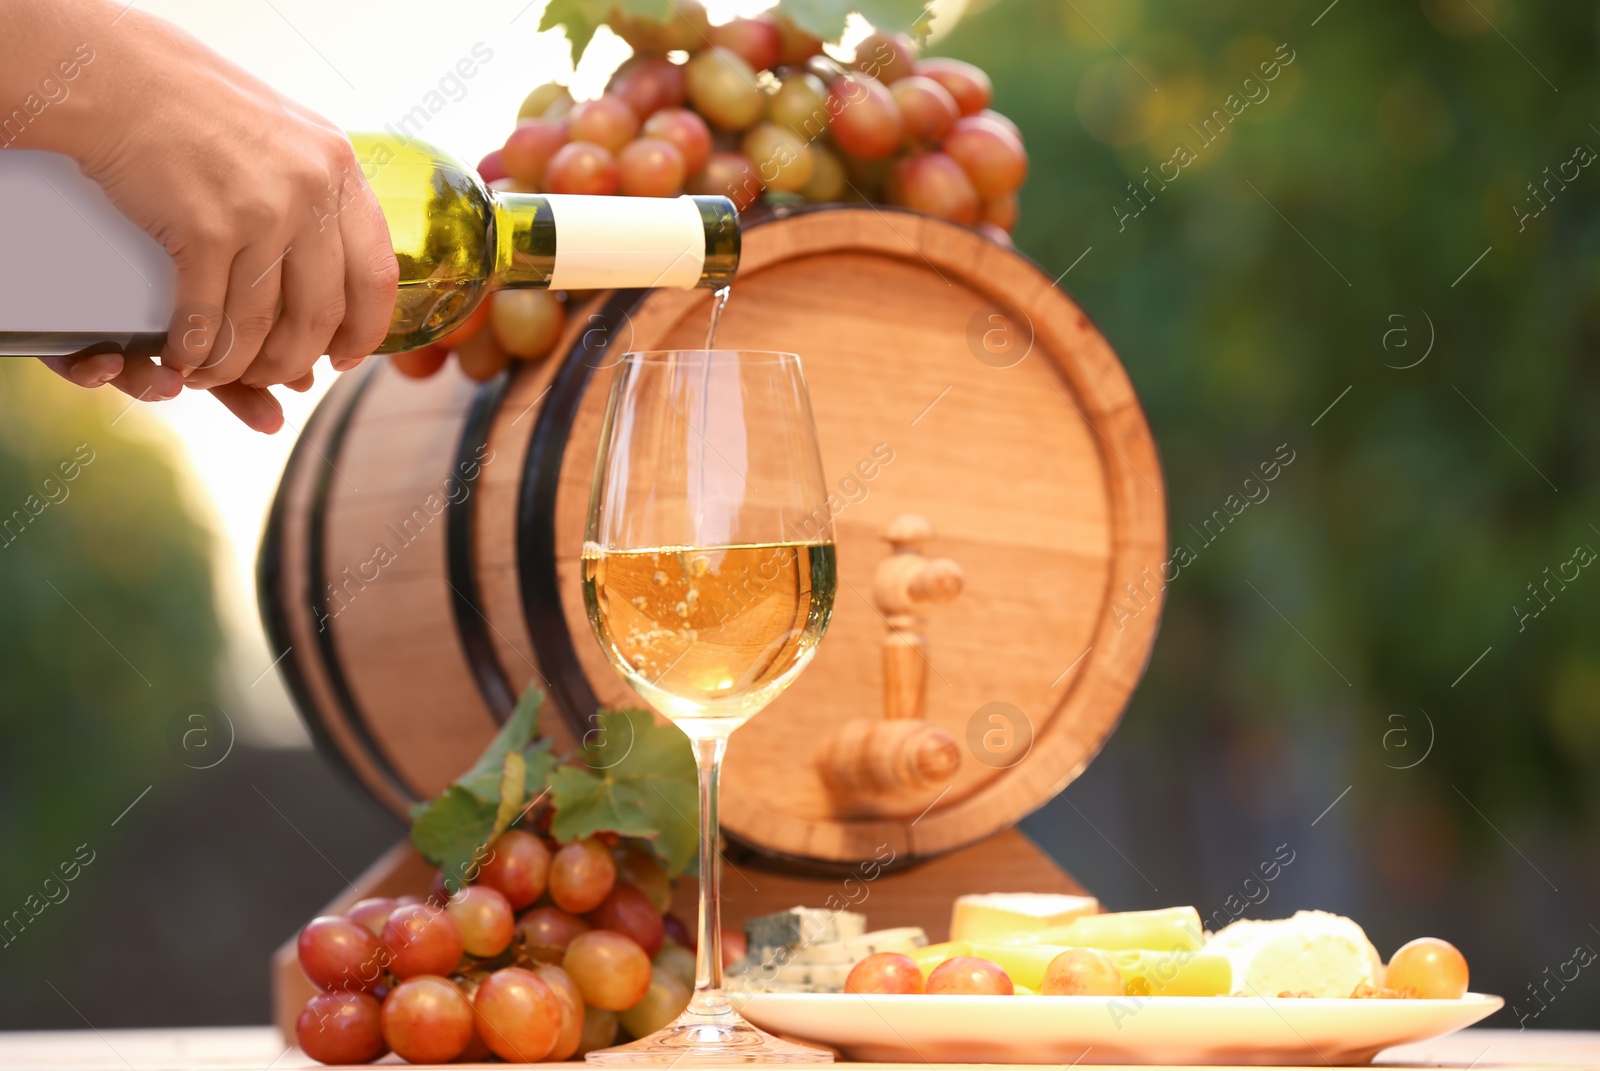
x=708, y=997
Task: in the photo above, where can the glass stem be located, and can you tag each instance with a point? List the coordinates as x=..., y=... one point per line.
x=708, y=998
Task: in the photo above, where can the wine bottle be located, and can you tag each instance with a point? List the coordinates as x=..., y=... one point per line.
x=78, y=274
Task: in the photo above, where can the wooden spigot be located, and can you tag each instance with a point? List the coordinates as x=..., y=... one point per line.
x=888, y=765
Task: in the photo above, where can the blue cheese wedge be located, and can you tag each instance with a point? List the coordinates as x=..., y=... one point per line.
x=818, y=968
x=800, y=927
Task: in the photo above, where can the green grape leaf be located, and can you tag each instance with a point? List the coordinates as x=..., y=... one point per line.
x=580, y=19
x=650, y=9
x=513, y=789
x=820, y=18
x=637, y=779
x=896, y=16
x=517, y=734
x=540, y=764
x=826, y=18
x=450, y=828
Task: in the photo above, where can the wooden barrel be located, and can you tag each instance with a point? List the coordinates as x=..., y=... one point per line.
x=421, y=561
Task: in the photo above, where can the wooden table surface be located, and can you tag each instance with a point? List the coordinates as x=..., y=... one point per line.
x=259, y=1048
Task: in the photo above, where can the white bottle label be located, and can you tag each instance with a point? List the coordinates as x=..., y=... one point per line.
x=69, y=261
x=608, y=242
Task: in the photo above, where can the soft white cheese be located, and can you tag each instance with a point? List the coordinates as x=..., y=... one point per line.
x=1314, y=952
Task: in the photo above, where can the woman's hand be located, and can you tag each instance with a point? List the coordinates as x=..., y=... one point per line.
x=281, y=250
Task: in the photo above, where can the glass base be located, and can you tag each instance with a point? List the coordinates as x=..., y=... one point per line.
x=712, y=1034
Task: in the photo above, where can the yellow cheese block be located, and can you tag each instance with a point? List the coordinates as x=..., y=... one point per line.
x=977, y=918
x=1171, y=929
x=1145, y=972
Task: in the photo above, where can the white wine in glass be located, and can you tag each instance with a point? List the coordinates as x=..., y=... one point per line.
x=709, y=576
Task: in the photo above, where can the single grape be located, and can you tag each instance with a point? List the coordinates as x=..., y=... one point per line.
x=491, y=167
x=637, y=866
x=571, y=999
x=374, y=911
x=866, y=120
x=991, y=114
x=757, y=41
x=828, y=180
x=782, y=159
x=480, y=357
x=537, y=103
x=886, y=57
x=341, y=1028
x=545, y=933
x=728, y=174
x=426, y=1020
x=340, y=953
x=484, y=918
x=528, y=149
x=676, y=961
x=421, y=939
x=969, y=975
x=800, y=104
x=927, y=107
x=796, y=46
x=935, y=184
x=518, y=864
x=1082, y=972
x=611, y=970
x=994, y=160
x=581, y=875
x=609, y=122
x=884, y=972
x=527, y=324
x=677, y=931
x=1001, y=212
x=580, y=167
x=599, y=1031
x=648, y=84
x=517, y=1015
x=439, y=889
x=629, y=912
x=969, y=86
x=650, y=167
x=663, y=1001
x=684, y=129
x=723, y=88
x=1433, y=969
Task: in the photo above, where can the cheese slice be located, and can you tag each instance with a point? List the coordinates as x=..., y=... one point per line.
x=1313, y=952
x=979, y=917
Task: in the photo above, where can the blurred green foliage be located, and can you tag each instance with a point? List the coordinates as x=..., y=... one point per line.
x=1303, y=259
x=107, y=624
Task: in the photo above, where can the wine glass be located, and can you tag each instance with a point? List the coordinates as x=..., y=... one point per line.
x=708, y=573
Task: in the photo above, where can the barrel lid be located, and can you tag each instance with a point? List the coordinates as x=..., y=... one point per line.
x=951, y=381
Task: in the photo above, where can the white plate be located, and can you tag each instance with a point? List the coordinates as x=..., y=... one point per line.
x=1101, y=1030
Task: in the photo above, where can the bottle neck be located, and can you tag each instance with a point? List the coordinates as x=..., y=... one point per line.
x=525, y=237
x=614, y=242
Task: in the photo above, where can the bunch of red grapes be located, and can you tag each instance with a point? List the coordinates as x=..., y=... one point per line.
x=754, y=111
x=550, y=952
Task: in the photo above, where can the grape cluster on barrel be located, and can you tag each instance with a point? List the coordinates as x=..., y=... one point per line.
x=754, y=111
x=551, y=952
